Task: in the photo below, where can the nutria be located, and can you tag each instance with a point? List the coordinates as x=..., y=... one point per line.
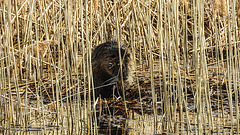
x=106, y=68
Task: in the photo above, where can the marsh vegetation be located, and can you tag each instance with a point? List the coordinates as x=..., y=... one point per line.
x=185, y=58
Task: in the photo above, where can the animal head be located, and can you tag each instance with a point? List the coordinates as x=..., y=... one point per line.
x=106, y=61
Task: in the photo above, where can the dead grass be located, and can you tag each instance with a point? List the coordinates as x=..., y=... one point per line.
x=185, y=57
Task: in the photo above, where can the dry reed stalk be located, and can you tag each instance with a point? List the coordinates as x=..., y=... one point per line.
x=46, y=51
x=186, y=5
x=95, y=3
x=154, y=32
x=238, y=17
x=220, y=7
x=42, y=48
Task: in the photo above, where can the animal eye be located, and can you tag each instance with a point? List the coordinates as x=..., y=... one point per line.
x=110, y=65
x=113, y=56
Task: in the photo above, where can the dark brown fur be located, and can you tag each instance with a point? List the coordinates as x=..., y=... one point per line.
x=106, y=68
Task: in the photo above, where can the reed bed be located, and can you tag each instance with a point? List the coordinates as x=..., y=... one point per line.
x=185, y=66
